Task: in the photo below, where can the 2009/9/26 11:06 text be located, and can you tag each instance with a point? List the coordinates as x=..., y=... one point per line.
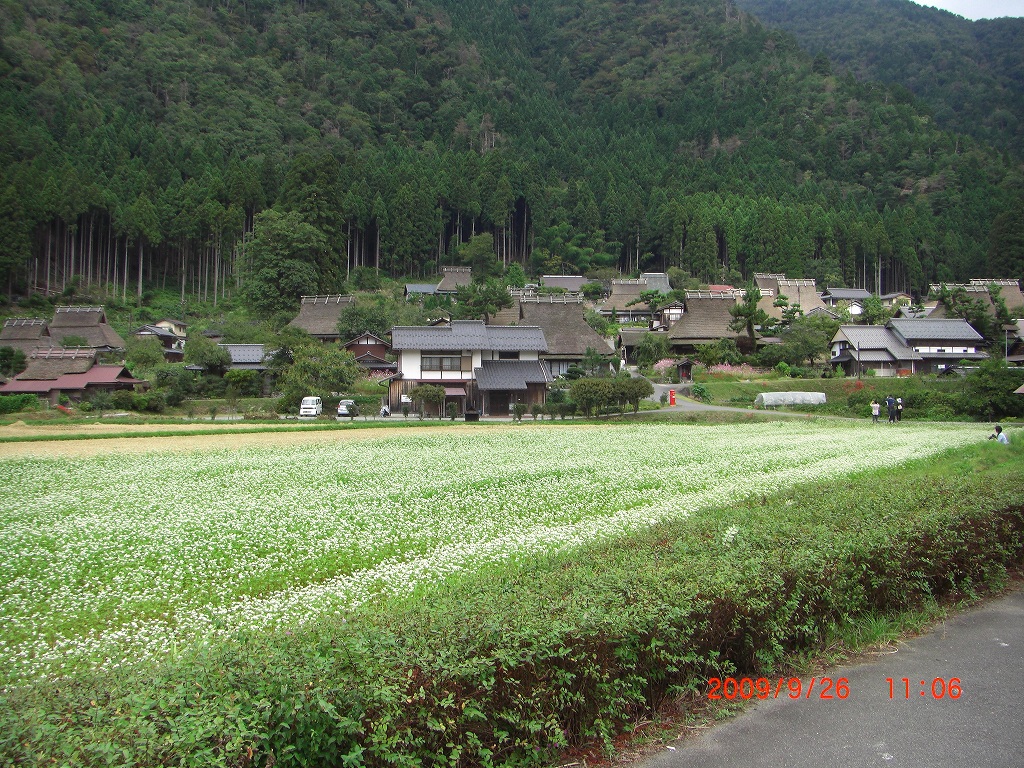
x=822, y=688
x=792, y=687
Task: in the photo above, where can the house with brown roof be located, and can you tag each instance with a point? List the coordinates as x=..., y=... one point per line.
x=705, y=321
x=486, y=368
x=26, y=334
x=318, y=316
x=371, y=353
x=88, y=324
x=1009, y=291
x=453, y=278
x=623, y=304
x=565, y=328
x=71, y=372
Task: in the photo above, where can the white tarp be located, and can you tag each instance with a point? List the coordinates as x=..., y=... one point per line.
x=772, y=399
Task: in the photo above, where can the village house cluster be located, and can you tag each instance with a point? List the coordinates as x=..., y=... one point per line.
x=487, y=367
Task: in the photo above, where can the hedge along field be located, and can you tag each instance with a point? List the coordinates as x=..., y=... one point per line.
x=220, y=608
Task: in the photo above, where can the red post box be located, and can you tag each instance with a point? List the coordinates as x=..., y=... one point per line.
x=671, y=397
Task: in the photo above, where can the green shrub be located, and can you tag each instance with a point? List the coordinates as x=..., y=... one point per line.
x=17, y=403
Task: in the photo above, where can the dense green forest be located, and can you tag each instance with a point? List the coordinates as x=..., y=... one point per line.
x=969, y=73
x=222, y=146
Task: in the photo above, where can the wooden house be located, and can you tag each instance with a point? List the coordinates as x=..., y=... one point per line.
x=72, y=372
x=485, y=368
x=371, y=353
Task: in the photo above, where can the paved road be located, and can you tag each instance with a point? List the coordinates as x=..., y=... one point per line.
x=983, y=728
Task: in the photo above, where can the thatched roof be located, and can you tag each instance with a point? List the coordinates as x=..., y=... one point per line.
x=50, y=364
x=706, y=321
x=454, y=278
x=25, y=334
x=1009, y=290
x=565, y=328
x=89, y=323
x=318, y=315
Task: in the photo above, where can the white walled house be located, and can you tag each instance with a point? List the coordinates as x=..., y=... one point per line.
x=905, y=346
x=482, y=367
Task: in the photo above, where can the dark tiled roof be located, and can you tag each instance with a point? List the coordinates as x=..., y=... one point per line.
x=571, y=283
x=469, y=335
x=848, y=294
x=565, y=329
x=242, y=354
x=510, y=374
x=706, y=320
x=868, y=339
x=318, y=315
x=929, y=329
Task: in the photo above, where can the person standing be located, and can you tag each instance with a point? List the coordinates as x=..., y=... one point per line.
x=890, y=405
x=899, y=409
x=875, y=409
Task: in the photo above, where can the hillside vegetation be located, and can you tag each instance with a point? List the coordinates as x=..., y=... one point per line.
x=144, y=145
x=969, y=73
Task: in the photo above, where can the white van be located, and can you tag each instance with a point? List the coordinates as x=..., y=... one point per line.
x=311, y=408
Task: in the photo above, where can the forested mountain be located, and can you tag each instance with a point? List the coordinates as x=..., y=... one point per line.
x=970, y=73
x=144, y=144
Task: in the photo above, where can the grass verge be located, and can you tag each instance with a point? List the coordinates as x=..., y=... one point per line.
x=513, y=664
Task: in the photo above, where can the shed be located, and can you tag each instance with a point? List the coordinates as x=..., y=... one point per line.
x=774, y=399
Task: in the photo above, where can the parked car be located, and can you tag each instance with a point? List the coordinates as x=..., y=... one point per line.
x=345, y=407
x=311, y=408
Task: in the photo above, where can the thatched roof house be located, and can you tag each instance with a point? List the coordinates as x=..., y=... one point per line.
x=318, y=316
x=26, y=334
x=88, y=323
x=706, y=320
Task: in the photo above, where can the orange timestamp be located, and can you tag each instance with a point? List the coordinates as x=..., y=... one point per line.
x=789, y=687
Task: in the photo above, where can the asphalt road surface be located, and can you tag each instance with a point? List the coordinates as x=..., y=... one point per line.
x=905, y=726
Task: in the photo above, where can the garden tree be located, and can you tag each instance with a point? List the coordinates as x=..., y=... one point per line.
x=635, y=390
x=989, y=391
x=211, y=357
x=874, y=312
x=316, y=369
x=143, y=353
x=718, y=353
x=12, y=361
x=431, y=394
x=590, y=394
x=655, y=300
x=597, y=321
x=478, y=253
x=481, y=300
x=377, y=314
x=515, y=277
x=747, y=316
x=959, y=303
x=596, y=363
x=652, y=348
x=281, y=348
x=808, y=338
x=245, y=383
x=281, y=261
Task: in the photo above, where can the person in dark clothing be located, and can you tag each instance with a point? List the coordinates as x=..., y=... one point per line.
x=890, y=404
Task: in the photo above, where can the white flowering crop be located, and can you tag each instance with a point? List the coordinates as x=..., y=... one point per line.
x=118, y=558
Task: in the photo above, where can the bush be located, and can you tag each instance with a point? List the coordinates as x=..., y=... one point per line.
x=123, y=400
x=17, y=403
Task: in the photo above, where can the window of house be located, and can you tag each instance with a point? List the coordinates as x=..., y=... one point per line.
x=440, y=361
x=508, y=355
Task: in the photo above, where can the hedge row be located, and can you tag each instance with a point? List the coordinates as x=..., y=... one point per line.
x=510, y=666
